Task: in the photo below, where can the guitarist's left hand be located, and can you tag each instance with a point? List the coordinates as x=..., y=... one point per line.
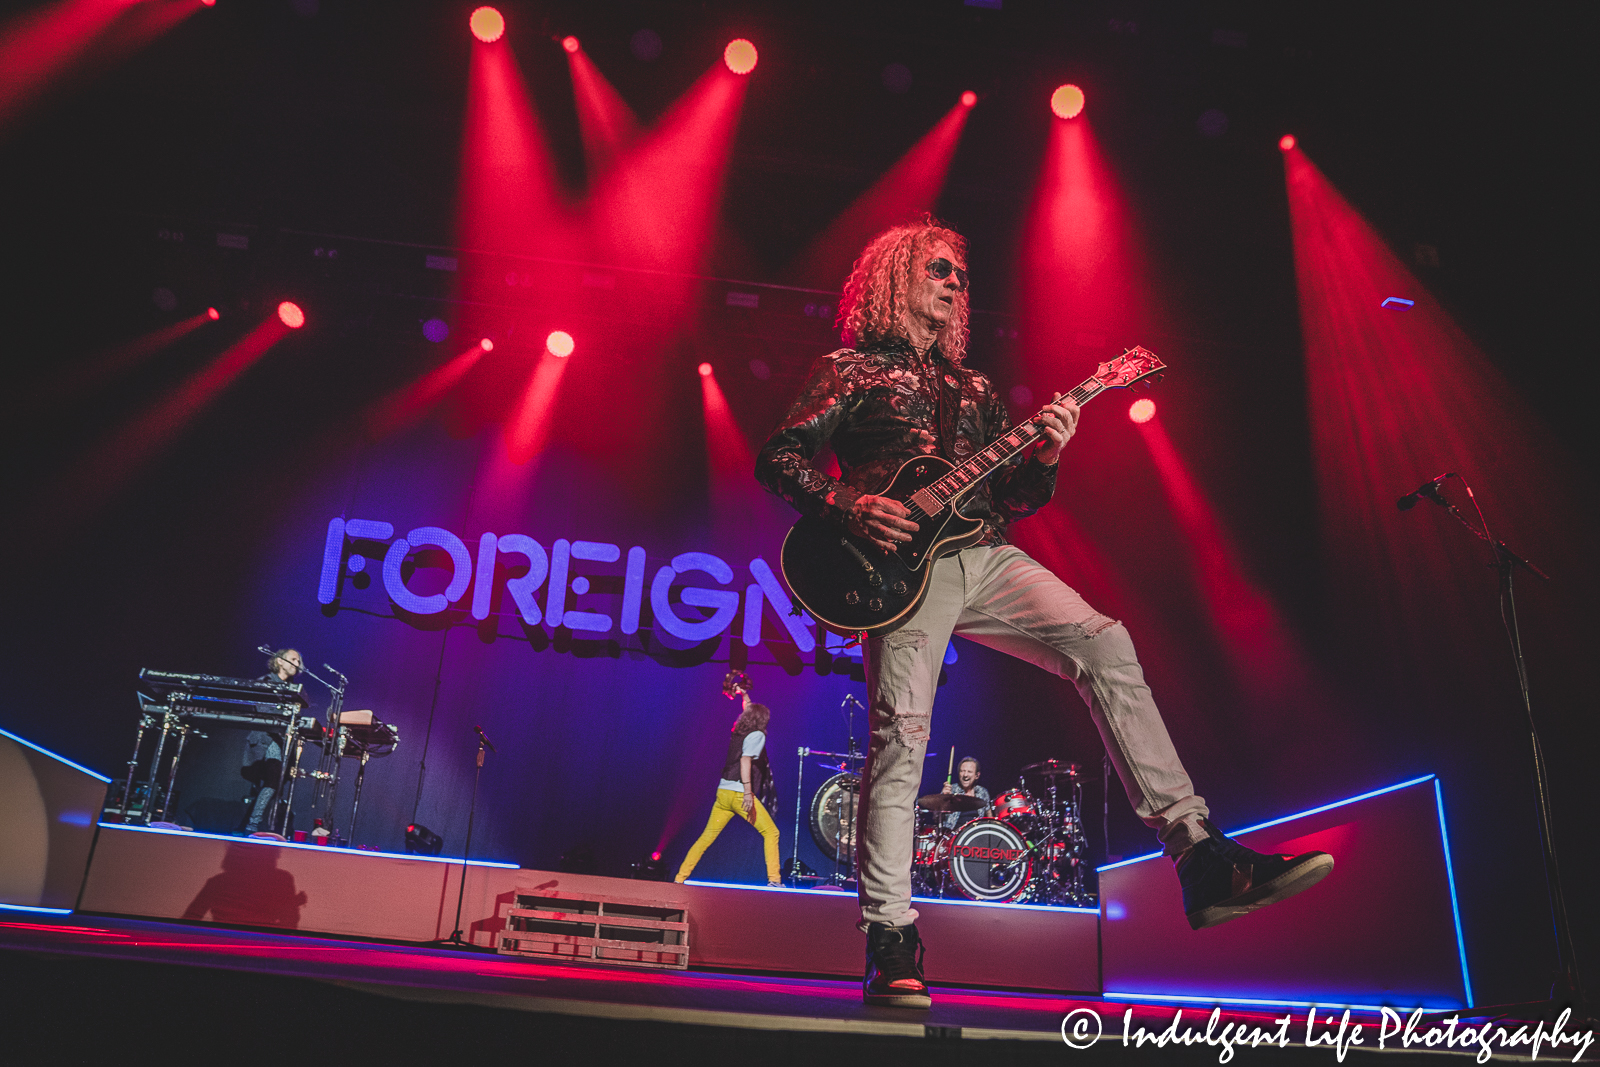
x=1058, y=422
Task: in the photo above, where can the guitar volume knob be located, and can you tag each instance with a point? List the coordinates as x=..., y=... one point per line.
x=898, y=589
x=852, y=598
x=875, y=604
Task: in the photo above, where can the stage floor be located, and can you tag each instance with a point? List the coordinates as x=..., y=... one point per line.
x=722, y=1000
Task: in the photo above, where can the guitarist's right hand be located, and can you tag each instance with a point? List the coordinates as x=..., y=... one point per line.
x=882, y=520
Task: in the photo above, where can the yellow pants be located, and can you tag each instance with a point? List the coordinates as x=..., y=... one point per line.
x=730, y=805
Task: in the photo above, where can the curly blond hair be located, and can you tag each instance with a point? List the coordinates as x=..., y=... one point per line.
x=873, y=306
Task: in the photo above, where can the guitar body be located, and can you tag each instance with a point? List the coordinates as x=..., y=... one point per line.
x=849, y=584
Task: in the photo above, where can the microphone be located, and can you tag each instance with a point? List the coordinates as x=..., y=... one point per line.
x=484, y=738
x=1429, y=489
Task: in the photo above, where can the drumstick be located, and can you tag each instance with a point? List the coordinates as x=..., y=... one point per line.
x=951, y=773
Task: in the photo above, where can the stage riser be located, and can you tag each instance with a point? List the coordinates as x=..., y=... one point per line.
x=47, y=813
x=338, y=892
x=1378, y=930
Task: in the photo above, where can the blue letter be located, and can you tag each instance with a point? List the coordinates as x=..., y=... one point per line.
x=722, y=602
x=395, y=585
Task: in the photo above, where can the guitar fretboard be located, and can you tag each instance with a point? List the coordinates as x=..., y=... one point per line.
x=934, y=497
x=1132, y=366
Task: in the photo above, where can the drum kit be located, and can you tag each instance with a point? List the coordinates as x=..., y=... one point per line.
x=1031, y=850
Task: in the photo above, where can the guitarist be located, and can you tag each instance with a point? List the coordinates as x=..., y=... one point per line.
x=899, y=391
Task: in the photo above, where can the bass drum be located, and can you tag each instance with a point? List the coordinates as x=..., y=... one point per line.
x=833, y=817
x=990, y=860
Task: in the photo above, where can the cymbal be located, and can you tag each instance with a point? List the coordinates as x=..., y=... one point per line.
x=949, y=802
x=1054, y=768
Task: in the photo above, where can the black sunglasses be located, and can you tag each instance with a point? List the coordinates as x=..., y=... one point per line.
x=940, y=269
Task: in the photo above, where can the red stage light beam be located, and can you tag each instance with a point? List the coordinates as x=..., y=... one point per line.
x=70, y=40
x=110, y=463
x=1286, y=142
x=1142, y=410
x=910, y=187
x=510, y=198
x=1082, y=267
x=407, y=405
x=969, y=99
x=560, y=344
x=487, y=24
x=570, y=44
x=291, y=315
x=1397, y=398
x=529, y=428
x=1268, y=664
x=111, y=363
x=606, y=122
x=657, y=208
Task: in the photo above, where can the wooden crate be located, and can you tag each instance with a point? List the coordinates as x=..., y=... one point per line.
x=596, y=929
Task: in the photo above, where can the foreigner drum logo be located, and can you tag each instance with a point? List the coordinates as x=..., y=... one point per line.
x=996, y=855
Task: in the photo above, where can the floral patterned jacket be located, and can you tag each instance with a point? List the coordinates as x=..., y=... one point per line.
x=879, y=407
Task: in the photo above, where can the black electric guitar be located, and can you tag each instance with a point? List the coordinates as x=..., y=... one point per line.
x=850, y=585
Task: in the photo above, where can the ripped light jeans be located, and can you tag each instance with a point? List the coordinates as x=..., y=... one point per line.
x=999, y=597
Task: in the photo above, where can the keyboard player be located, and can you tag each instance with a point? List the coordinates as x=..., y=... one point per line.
x=263, y=752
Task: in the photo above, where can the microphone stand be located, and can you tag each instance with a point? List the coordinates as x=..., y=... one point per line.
x=1568, y=986
x=455, y=937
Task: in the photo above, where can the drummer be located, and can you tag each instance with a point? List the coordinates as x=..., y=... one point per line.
x=967, y=775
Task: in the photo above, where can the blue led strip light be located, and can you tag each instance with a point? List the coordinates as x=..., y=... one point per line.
x=60, y=759
x=1455, y=908
x=35, y=909
x=325, y=849
x=1286, y=818
x=1241, y=1001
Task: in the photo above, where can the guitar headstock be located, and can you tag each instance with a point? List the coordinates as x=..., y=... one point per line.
x=1134, y=365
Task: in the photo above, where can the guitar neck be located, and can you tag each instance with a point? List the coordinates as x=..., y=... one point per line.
x=1002, y=450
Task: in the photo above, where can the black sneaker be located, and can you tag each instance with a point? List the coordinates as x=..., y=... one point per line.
x=1223, y=880
x=894, y=968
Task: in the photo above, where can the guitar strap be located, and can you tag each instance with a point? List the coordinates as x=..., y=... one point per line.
x=947, y=382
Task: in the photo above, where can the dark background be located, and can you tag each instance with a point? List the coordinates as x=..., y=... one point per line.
x=309, y=125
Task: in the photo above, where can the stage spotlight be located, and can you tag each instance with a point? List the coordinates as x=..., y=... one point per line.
x=740, y=56
x=969, y=98
x=559, y=343
x=421, y=841
x=213, y=314
x=486, y=344
x=650, y=870
x=569, y=43
x=705, y=370
x=1286, y=142
x=1067, y=102
x=1142, y=410
x=208, y=3
x=290, y=315
x=487, y=24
